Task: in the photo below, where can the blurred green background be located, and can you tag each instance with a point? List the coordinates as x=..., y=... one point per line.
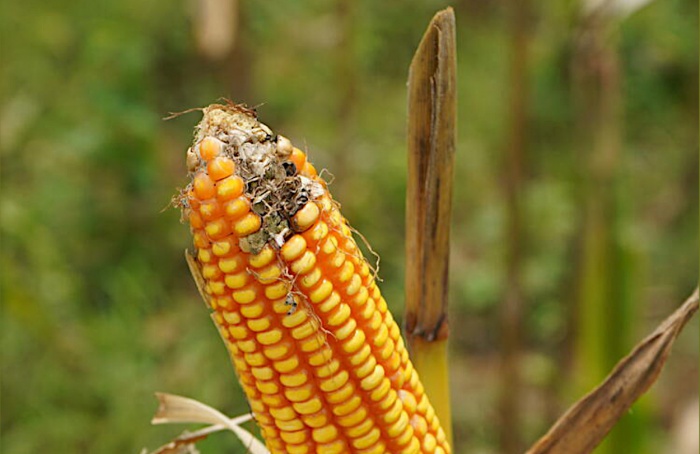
x=99, y=311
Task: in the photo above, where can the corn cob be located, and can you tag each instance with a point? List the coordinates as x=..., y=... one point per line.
x=316, y=351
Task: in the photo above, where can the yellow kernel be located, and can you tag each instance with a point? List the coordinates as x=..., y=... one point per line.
x=259, y=324
x=309, y=407
x=304, y=264
x=319, y=232
x=305, y=217
x=295, y=449
x=204, y=256
x=345, y=330
x=236, y=281
x=293, y=380
x=356, y=341
x=321, y=292
x=324, y=434
x=254, y=359
x=264, y=257
x=232, y=317
x=361, y=297
x=229, y=188
x=200, y=240
x=335, y=382
x=294, y=438
x=316, y=420
x=278, y=351
x=362, y=428
x=340, y=315
x=262, y=373
x=331, y=302
x=236, y=208
x=365, y=369
x=381, y=391
x=269, y=274
x=347, y=407
x=286, y=365
x=269, y=337
x=336, y=447
x=217, y=229
x=276, y=291
x=312, y=343
x=381, y=336
x=252, y=310
x=321, y=357
x=293, y=248
x=340, y=395
x=310, y=279
x=346, y=272
x=257, y=406
x=408, y=399
x=299, y=394
x=203, y=186
x=399, y=426
x=289, y=426
x=367, y=440
x=247, y=345
x=372, y=380
x=327, y=369
x=285, y=413
x=294, y=319
x=217, y=287
x=231, y=264
x=209, y=148
x=376, y=319
x=414, y=445
x=223, y=247
x=354, y=418
x=441, y=438
x=420, y=427
x=210, y=272
x=244, y=296
x=305, y=330
x=338, y=259
x=354, y=286
x=394, y=412
x=250, y=223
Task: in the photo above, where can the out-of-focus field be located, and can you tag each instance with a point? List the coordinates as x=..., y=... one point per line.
x=99, y=310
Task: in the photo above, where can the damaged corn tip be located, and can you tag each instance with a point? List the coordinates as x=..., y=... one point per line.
x=319, y=356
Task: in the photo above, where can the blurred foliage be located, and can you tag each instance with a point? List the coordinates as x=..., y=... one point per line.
x=98, y=307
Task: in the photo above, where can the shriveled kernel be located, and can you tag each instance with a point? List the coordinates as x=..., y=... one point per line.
x=234, y=209
x=210, y=147
x=304, y=264
x=293, y=248
x=229, y=188
x=220, y=168
x=305, y=217
x=250, y=223
x=284, y=147
x=203, y=186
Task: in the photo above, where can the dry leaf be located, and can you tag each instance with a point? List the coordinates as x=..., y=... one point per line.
x=588, y=421
x=178, y=409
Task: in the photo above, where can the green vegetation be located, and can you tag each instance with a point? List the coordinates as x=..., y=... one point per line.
x=98, y=307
